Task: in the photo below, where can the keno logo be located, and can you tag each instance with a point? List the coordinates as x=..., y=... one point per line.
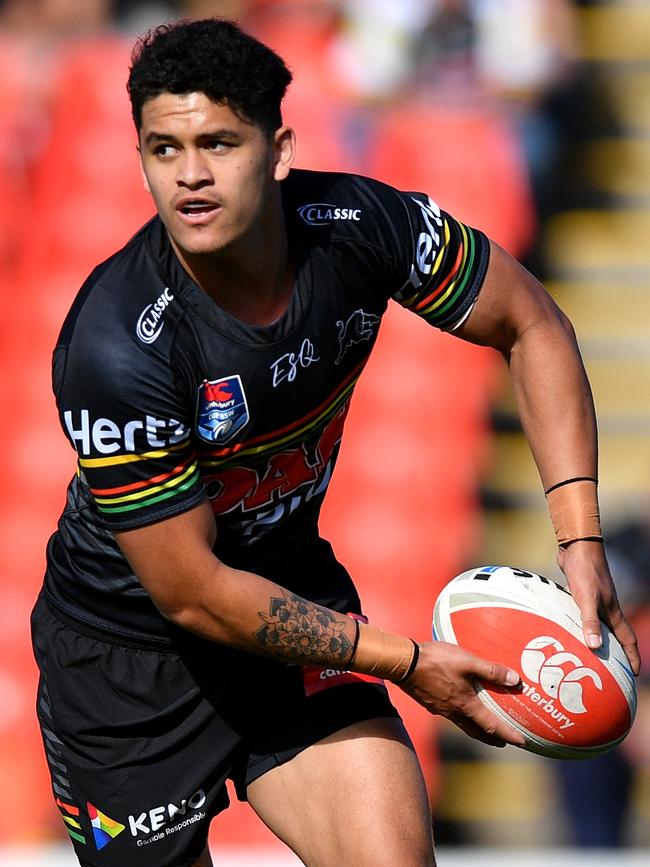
x=551, y=674
x=320, y=214
x=150, y=321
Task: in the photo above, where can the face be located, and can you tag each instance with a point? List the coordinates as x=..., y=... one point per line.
x=212, y=176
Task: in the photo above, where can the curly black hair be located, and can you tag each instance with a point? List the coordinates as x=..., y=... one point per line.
x=213, y=57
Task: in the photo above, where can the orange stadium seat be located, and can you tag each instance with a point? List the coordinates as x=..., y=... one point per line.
x=18, y=128
x=88, y=193
x=468, y=161
x=314, y=104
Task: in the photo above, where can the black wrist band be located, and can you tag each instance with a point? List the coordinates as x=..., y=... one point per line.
x=569, y=482
x=414, y=662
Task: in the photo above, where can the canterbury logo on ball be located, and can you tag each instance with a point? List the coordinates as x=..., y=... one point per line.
x=560, y=675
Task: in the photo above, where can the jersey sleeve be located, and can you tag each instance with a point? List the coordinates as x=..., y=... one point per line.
x=124, y=414
x=443, y=263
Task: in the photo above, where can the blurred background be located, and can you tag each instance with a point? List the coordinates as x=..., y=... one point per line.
x=527, y=118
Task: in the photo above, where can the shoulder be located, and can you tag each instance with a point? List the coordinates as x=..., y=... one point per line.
x=346, y=206
x=117, y=296
x=117, y=320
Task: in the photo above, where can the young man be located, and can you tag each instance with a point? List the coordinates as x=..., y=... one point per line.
x=203, y=375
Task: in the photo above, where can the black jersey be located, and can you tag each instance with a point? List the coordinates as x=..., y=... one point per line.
x=168, y=398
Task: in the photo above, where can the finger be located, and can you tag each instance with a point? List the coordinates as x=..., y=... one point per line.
x=626, y=638
x=590, y=622
x=495, y=673
x=492, y=725
x=474, y=731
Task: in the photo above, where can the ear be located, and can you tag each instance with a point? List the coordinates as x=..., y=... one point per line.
x=142, y=172
x=284, y=152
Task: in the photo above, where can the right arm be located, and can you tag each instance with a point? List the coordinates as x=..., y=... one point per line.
x=192, y=588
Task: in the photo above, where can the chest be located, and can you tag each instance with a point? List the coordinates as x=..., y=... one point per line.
x=273, y=382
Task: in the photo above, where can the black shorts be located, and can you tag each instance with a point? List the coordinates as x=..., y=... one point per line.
x=141, y=741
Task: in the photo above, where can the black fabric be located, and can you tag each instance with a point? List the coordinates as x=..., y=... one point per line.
x=147, y=738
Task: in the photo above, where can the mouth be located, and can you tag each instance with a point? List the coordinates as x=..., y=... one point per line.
x=197, y=211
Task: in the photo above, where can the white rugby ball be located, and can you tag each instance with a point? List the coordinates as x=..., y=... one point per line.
x=573, y=702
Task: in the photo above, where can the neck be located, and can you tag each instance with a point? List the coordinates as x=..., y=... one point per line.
x=252, y=279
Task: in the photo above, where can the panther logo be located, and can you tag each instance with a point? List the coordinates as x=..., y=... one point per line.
x=358, y=327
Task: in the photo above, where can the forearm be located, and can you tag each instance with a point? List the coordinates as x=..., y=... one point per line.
x=554, y=401
x=246, y=611
x=192, y=588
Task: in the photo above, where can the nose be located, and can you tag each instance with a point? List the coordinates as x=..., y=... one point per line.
x=193, y=170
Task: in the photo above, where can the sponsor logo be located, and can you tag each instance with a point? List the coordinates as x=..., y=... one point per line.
x=290, y=479
x=426, y=247
x=560, y=677
x=222, y=409
x=106, y=437
x=151, y=321
x=286, y=367
x=158, y=820
x=321, y=214
x=358, y=327
x=316, y=680
x=104, y=828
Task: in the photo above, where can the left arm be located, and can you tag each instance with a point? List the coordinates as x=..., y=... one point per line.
x=515, y=314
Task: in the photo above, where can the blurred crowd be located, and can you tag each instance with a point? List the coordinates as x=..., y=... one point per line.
x=390, y=89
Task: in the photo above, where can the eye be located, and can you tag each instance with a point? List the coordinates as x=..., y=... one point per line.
x=164, y=150
x=218, y=146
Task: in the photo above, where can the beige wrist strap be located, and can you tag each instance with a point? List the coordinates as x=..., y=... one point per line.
x=573, y=507
x=382, y=654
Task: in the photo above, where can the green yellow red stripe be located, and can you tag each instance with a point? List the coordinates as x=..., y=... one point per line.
x=114, y=460
x=135, y=486
x=139, y=495
x=150, y=501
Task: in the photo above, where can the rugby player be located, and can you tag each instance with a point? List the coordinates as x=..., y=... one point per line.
x=193, y=626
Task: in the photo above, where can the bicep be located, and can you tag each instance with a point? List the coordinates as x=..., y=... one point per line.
x=173, y=558
x=510, y=302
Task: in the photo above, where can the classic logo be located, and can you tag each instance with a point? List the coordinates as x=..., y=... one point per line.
x=321, y=214
x=559, y=674
x=222, y=409
x=151, y=321
x=358, y=327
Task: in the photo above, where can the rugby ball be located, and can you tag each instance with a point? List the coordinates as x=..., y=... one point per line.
x=573, y=702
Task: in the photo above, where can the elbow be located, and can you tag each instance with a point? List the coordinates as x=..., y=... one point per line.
x=180, y=612
x=549, y=326
x=194, y=613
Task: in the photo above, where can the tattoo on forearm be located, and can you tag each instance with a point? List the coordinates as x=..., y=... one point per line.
x=302, y=632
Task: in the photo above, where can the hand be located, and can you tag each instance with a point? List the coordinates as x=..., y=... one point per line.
x=591, y=585
x=443, y=683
